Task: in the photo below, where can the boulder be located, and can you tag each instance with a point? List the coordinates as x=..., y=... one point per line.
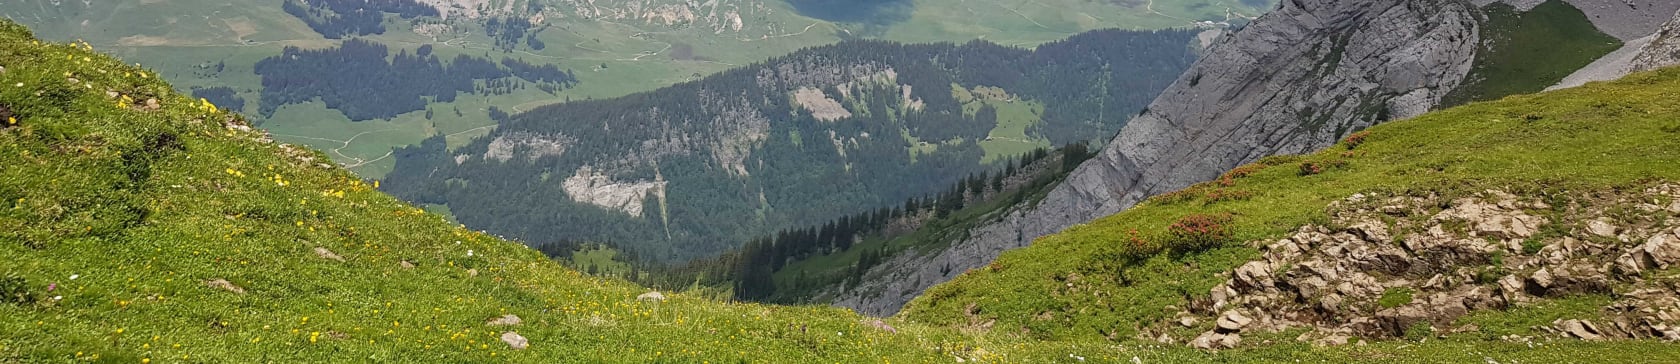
x=1634, y=262
x=1395, y=321
x=1582, y=329
x=1541, y=278
x=505, y=320
x=1511, y=288
x=1309, y=286
x=1255, y=274
x=324, y=253
x=1601, y=227
x=1233, y=321
x=515, y=341
x=1663, y=250
x=1371, y=231
x=1214, y=341
x=654, y=296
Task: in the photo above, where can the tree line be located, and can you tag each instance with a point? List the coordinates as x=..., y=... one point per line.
x=336, y=19
x=361, y=79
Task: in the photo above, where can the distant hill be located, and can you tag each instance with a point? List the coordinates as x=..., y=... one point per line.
x=698, y=168
x=613, y=47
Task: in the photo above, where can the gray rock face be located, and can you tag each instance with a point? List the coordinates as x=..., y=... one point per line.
x=1295, y=80
x=1664, y=49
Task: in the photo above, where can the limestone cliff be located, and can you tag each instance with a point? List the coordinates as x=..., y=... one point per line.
x=1293, y=81
x=1662, y=51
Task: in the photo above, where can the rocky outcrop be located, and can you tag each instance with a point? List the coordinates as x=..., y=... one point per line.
x=1399, y=266
x=1663, y=49
x=590, y=187
x=528, y=145
x=1293, y=81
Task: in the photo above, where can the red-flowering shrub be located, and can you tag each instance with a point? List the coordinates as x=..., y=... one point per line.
x=1353, y=141
x=1200, y=232
x=1310, y=168
x=1230, y=178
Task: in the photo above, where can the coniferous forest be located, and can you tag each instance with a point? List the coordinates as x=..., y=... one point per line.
x=364, y=81
x=337, y=19
x=739, y=156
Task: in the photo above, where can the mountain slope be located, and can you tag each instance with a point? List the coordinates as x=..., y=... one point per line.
x=142, y=226
x=1463, y=208
x=146, y=227
x=697, y=168
x=1295, y=80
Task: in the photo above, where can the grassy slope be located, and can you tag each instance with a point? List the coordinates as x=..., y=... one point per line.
x=1598, y=136
x=127, y=213
x=94, y=191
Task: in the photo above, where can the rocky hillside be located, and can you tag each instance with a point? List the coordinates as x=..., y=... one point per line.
x=1535, y=221
x=143, y=226
x=1414, y=266
x=1663, y=49
x=1295, y=80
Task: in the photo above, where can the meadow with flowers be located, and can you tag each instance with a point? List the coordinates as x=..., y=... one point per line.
x=140, y=225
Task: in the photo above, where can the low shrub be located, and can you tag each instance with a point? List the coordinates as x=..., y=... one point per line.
x=1310, y=168
x=1200, y=232
x=1353, y=141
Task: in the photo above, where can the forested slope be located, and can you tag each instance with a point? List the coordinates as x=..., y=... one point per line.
x=694, y=169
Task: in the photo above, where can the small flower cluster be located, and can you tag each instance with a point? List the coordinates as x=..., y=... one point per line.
x=1310, y=168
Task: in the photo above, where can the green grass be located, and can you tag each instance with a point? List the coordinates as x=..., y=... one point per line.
x=1010, y=138
x=1395, y=297
x=1526, y=52
x=127, y=213
x=603, y=258
x=1593, y=138
x=1523, y=320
